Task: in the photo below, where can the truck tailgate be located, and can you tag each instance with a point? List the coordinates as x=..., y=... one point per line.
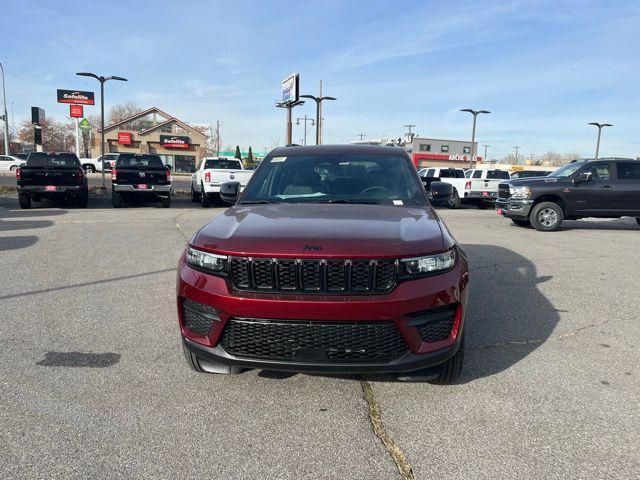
x=135, y=176
x=42, y=176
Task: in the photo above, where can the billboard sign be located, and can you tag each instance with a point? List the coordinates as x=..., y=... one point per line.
x=76, y=111
x=124, y=138
x=291, y=88
x=174, y=141
x=76, y=96
x=37, y=116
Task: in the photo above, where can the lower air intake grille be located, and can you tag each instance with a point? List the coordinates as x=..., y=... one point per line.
x=313, y=341
x=436, y=324
x=198, y=317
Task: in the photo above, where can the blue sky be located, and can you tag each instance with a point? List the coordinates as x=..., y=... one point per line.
x=544, y=68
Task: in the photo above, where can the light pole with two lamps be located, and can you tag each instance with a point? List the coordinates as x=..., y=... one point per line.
x=318, y=101
x=600, y=127
x=102, y=81
x=473, y=132
x=305, y=119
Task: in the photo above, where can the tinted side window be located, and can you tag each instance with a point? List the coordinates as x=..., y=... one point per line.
x=629, y=171
x=599, y=171
x=500, y=174
x=430, y=172
x=459, y=173
x=477, y=174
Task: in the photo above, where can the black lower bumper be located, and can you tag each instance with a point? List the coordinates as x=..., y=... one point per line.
x=42, y=191
x=518, y=209
x=407, y=363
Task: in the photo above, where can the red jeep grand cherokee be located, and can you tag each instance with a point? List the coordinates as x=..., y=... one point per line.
x=331, y=260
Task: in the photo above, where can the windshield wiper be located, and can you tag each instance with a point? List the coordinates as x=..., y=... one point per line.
x=256, y=202
x=344, y=200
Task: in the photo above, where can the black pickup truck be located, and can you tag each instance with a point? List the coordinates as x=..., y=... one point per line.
x=140, y=177
x=52, y=176
x=604, y=188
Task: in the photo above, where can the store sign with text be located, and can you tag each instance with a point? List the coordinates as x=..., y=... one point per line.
x=174, y=141
x=76, y=96
x=124, y=138
x=76, y=111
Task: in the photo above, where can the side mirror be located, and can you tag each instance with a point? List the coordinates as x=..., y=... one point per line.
x=583, y=177
x=229, y=192
x=441, y=192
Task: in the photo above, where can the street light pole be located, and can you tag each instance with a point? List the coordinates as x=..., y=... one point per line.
x=305, y=119
x=6, y=117
x=516, y=148
x=319, y=122
x=473, y=132
x=102, y=81
x=485, y=151
x=600, y=126
x=289, y=106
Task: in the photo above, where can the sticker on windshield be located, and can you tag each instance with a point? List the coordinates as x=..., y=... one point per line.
x=278, y=159
x=398, y=202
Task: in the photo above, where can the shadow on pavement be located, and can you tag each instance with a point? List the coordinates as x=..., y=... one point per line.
x=17, y=242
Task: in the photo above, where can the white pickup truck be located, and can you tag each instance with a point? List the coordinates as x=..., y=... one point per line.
x=213, y=172
x=453, y=176
x=92, y=165
x=481, y=187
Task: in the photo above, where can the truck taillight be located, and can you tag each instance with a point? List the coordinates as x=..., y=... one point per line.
x=79, y=173
x=169, y=176
x=207, y=176
x=114, y=173
x=18, y=173
x=467, y=186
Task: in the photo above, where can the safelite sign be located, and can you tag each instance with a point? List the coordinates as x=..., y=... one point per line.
x=174, y=141
x=75, y=96
x=124, y=138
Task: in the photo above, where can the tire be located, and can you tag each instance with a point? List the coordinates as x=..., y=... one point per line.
x=546, y=217
x=521, y=223
x=89, y=169
x=116, y=200
x=12, y=168
x=201, y=366
x=166, y=201
x=451, y=369
x=83, y=199
x=455, y=201
x=25, y=201
x=205, y=201
x=195, y=198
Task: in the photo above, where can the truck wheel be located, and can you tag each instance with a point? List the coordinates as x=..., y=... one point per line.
x=451, y=369
x=25, y=201
x=83, y=199
x=205, y=201
x=205, y=366
x=116, y=200
x=521, y=223
x=166, y=201
x=546, y=217
x=13, y=168
x=194, y=196
x=455, y=201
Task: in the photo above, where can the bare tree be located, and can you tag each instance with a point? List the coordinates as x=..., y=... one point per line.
x=552, y=158
x=122, y=111
x=56, y=136
x=570, y=156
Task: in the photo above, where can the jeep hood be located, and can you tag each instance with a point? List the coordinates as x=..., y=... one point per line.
x=327, y=231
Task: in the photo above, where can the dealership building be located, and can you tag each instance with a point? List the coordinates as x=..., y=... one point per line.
x=154, y=131
x=432, y=152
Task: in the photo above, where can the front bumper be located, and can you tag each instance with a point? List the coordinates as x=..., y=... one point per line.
x=132, y=189
x=407, y=298
x=486, y=196
x=514, y=208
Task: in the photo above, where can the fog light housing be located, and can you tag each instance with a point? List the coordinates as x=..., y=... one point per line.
x=198, y=317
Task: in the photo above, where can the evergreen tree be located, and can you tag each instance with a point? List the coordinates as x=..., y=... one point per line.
x=238, y=155
x=250, y=156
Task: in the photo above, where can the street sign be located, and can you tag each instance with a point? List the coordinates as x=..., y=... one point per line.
x=76, y=96
x=84, y=125
x=291, y=88
x=76, y=111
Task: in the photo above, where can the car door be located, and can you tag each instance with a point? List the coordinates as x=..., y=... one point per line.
x=627, y=188
x=4, y=163
x=594, y=197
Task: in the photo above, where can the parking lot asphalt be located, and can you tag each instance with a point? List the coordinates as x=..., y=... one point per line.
x=93, y=383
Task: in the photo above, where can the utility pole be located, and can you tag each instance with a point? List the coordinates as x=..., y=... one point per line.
x=362, y=135
x=305, y=119
x=485, y=152
x=410, y=134
x=475, y=114
x=516, y=148
x=217, y=145
x=5, y=117
x=600, y=126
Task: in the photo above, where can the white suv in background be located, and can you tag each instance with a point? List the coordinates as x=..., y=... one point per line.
x=10, y=163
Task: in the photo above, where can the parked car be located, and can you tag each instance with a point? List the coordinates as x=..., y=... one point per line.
x=10, y=163
x=51, y=176
x=604, y=188
x=529, y=174
x=139, y=176
x=211, y=173
x=453, y=176
x=331, y=260
x=481, y=186
x=92, y=165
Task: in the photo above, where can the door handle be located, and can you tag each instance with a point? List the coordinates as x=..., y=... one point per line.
x=605, y=186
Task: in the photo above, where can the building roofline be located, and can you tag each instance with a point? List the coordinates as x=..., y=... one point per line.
x=137, y=115
x=173, y=119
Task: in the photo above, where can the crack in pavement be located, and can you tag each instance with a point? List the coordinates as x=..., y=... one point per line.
x=375, y=416
x=181, y=232
x=537, y=341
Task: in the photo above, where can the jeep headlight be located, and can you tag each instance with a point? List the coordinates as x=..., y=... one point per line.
x=429, y=264
x=205, y=260
x=519, y=192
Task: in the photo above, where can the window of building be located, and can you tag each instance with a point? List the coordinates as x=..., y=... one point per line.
x=167, y=128
x=444, y=148
x=425, y=147
x=466, y=149
x=629, y=171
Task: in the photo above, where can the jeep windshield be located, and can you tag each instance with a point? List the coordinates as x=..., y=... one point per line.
x=335, y=178
x=566, y=171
